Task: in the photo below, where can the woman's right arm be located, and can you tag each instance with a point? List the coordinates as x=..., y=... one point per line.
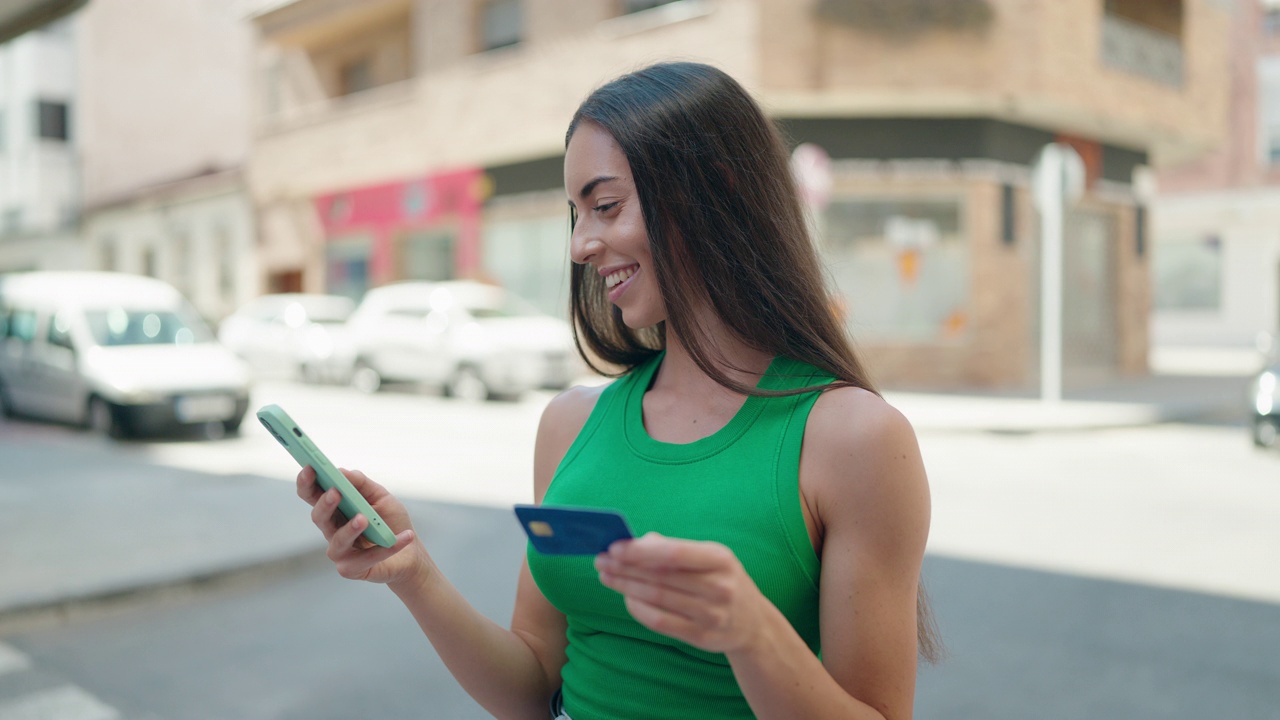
x=511, y=673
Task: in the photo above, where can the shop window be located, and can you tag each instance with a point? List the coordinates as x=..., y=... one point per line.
x=51, y=120
x=107, y=254
x=501, y=24
x=356, y=76
x=635, y=6
x=346, y=267
x=1188, y=274
x=1269, y=110
x=901, y=267
x=530, y=258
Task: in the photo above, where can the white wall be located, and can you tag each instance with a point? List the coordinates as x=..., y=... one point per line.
x=1248, y=224
x=38, y=177
x=216, y=229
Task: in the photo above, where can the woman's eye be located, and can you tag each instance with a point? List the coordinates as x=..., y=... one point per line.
x=605, y=207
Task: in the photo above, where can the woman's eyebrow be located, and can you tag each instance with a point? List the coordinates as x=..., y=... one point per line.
x=590, y=186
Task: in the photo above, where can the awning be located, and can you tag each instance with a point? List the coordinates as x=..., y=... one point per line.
x=21, y=16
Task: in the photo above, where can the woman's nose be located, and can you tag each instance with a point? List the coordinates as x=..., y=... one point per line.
x=583, y=245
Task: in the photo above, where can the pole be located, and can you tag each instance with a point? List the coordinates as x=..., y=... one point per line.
x=1052, y=214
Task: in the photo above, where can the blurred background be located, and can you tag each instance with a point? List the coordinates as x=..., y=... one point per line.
x=355, y=208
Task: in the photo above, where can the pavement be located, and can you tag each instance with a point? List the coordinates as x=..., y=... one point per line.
x=70, y=547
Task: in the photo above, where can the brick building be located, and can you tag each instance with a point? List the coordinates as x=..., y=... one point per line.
x=424, y=138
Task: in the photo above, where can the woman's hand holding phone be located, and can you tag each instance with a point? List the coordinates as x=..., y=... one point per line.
x=354, y=556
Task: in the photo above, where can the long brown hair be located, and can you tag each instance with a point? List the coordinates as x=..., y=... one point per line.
x=727, y=232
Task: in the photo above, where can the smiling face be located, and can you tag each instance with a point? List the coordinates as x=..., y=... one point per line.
x=610, y=233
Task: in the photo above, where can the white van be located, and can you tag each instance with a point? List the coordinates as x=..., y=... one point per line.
x=122, y=354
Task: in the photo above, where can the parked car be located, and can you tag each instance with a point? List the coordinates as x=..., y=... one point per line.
x=120, y=353
x=1265, y=393
x=473, y=340
x=293, y=335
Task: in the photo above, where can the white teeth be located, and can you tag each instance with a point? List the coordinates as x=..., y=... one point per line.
x=614, y=279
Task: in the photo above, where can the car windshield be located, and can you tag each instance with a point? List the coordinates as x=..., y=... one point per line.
x=127, y=326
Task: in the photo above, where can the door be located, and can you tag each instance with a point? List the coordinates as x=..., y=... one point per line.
x=55, y=379
x=1089, y=325
x=15, y=358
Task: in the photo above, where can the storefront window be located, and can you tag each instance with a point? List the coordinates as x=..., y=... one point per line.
x=901, y=267
x=530, y=258
x=347, y=267
x=1188, y=274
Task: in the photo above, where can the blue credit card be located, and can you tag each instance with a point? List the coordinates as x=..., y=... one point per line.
x=571, y=531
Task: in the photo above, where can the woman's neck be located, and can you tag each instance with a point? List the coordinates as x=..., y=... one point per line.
x=740, y=363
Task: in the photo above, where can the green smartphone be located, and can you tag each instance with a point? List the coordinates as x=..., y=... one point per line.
x=287, y=433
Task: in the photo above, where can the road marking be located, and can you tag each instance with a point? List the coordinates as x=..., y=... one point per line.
x=11, y=660
x=60, y=703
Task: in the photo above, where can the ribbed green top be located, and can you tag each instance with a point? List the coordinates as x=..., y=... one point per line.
x=739, y=487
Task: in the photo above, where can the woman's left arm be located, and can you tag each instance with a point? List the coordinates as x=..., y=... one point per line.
x=862, y=476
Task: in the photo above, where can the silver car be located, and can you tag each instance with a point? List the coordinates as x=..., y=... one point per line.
x=1265, y=394
x=293, y=335
x=473, y=340
x=120, y=353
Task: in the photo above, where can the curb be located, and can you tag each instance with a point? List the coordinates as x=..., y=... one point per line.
x=41, y=614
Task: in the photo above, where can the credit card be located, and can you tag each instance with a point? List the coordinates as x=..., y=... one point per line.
x=556, y=530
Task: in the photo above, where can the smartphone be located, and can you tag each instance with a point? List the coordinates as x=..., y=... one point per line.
x=287, y=433
x=558, y=530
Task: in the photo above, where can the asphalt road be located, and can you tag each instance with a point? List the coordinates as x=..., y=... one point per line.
x=1113, y=574
x=307, y=644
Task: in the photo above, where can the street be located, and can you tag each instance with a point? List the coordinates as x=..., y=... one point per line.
x=1122, y=573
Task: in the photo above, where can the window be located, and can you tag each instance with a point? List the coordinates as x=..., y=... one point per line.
x=1269, y=110
x=60, y=330
x=501, y=24
x=356, y=76
x=22, y=325
x=107, y=254
x=51, y=120
x=226, y=265
x=1188, y=274
x=635, y=6
x=901, y=267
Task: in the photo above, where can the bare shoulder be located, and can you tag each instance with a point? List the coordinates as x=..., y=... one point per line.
x=568, y=411
x=562, y=420
x=863, y=457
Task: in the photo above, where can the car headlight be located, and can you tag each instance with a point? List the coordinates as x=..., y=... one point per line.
x=1265, y=399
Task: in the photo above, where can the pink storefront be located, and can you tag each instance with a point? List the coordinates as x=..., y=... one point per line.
x=425, y=228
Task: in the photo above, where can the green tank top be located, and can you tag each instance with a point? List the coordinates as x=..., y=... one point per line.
x=739, y=487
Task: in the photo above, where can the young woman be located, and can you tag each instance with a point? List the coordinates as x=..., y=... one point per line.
x=782, y=504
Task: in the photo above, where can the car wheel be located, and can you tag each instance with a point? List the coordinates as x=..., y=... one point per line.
x=1264, y=432
x=103, y=418
x=232, y=426
x=365, y=379
x=6, y=406
x=466, y=384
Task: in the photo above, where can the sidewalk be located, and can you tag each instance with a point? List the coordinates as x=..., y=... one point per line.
x=1129, y=402
x=70, y=543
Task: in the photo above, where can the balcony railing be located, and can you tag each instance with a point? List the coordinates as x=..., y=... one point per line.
x=1140, y=50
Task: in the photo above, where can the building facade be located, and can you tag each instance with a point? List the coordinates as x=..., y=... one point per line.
x=931, y=114
x=114, y=121
x=40, y=150
x=1217, y=220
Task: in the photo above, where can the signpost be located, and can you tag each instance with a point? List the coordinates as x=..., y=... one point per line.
x=1057, y=182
